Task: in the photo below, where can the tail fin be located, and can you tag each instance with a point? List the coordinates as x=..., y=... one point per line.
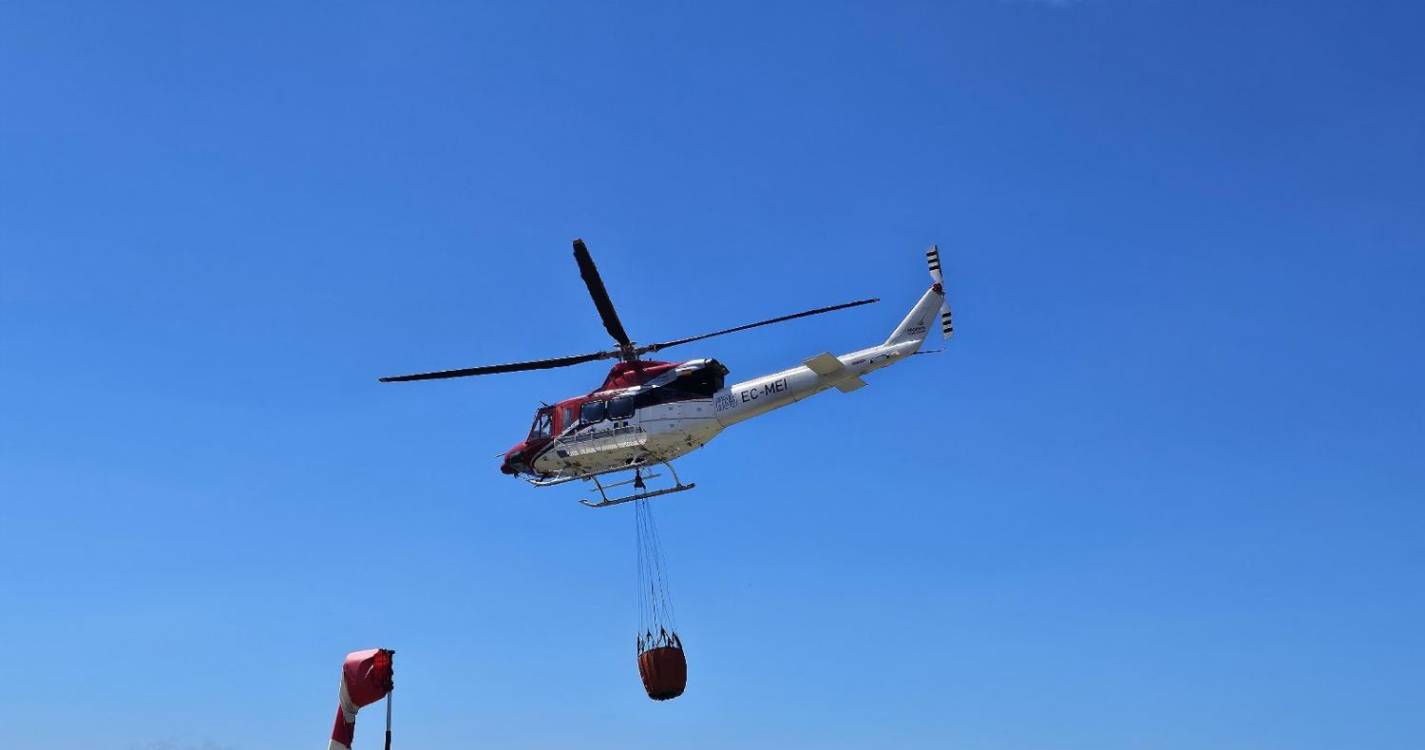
x=932, y=258
x=918, y=321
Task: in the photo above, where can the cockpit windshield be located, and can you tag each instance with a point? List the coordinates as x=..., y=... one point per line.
x=542, y=427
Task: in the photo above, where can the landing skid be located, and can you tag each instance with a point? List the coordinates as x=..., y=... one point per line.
x=637, y=482
x=550, y=481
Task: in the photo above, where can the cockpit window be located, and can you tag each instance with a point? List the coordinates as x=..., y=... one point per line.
x=542, y=427
x=593, y=412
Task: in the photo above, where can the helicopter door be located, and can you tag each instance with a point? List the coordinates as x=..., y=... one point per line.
x=568, y=416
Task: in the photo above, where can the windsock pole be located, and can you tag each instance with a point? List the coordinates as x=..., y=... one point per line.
x=388, y=719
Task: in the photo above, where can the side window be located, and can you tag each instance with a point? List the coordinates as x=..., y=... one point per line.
x=567, y=417
x=593, y=412
x=621, y=407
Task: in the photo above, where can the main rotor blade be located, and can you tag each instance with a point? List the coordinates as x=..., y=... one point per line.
x=538, y=364
x=794, y=316
x=590, y=273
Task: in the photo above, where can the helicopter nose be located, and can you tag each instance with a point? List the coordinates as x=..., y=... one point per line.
x=514, y=461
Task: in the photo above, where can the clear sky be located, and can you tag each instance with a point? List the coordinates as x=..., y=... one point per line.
x=1164, y=489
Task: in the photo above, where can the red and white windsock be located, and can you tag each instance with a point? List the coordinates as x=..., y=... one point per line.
x=365, y=679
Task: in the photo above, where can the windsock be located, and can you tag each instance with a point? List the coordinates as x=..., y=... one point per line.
x=365, y=679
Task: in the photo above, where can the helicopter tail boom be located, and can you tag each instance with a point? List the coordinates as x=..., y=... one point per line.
x=760, y=395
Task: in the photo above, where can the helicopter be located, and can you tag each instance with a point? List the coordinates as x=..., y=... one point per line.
x=650, y=412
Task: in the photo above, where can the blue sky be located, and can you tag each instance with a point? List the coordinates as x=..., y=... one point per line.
x=1163, y=490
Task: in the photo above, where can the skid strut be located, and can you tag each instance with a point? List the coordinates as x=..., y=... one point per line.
x=637, y=482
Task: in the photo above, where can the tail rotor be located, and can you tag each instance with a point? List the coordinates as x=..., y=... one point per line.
x=932, y=258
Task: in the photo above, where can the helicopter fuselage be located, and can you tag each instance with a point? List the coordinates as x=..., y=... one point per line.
x=650, y=412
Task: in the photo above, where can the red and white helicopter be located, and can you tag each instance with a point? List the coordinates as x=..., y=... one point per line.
x=649, y=412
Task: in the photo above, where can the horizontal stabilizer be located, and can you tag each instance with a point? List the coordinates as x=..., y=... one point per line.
x=828, y=366
x=847, y=385
x=825, y=364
